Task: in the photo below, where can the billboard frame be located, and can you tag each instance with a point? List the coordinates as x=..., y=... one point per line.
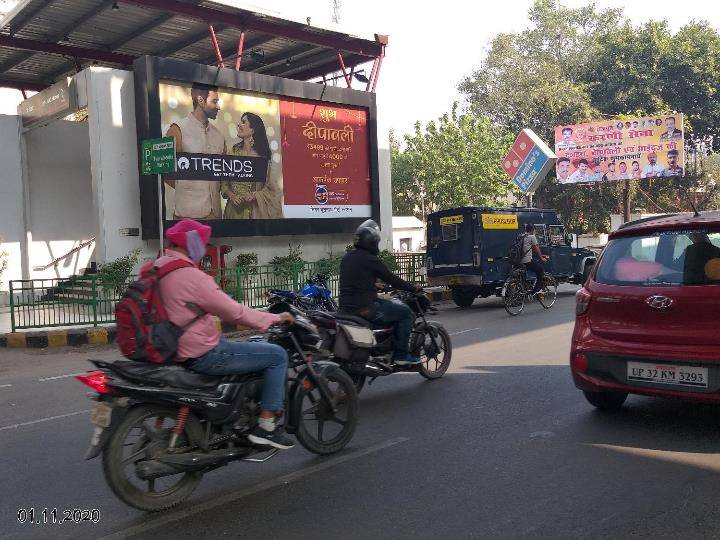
x=150, y=71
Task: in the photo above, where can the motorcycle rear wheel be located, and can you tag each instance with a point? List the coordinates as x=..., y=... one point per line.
x=154, y=424
x=315, y=411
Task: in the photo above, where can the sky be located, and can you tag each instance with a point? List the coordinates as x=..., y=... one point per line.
x=434, y=45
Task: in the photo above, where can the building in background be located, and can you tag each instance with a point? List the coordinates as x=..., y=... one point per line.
x=408, y=234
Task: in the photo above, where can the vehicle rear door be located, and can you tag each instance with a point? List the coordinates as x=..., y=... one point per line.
x=452, y=237
x=642, y=291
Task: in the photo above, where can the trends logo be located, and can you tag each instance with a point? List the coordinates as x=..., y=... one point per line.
x=322, y=195
x=220, y=167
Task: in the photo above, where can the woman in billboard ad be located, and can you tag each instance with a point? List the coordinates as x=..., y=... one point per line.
x=246, y=200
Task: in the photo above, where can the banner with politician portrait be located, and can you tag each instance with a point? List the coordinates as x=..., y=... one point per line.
x=634, y=149
x=244, y=155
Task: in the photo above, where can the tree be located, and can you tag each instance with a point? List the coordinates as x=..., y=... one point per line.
x=578, y=65
x=454, y=161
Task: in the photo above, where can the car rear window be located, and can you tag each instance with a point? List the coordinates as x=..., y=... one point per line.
x=667, y=258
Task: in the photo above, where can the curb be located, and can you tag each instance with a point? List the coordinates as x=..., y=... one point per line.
x=104, y=335
x=74, y=337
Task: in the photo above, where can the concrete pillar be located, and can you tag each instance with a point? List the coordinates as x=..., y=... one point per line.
x=113, y=155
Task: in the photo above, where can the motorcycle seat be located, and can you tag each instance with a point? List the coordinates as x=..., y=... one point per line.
x=347, y=317
x=171, y=375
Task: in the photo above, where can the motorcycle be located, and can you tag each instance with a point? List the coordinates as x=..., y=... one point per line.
x=315, y=295
x=364, y=350
x=160, y=428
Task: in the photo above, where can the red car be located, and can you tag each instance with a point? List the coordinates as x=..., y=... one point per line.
x=648, y=318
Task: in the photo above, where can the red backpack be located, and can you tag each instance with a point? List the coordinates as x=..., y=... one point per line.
x=144, y=331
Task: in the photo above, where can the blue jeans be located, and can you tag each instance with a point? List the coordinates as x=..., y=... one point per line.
x=240, y=358
x=397, y=313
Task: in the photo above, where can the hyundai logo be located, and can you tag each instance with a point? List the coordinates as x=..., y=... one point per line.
x=659, y=302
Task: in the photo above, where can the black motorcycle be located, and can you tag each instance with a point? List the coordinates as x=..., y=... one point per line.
x=161, y=427
x=365, y=350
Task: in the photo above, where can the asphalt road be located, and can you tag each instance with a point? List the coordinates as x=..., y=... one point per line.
x=503, y=446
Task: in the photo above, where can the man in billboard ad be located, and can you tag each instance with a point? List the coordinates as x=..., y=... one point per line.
x=194, y=133
x=624, y=150
x=267, y=157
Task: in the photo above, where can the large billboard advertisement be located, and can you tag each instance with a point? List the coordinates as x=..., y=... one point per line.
x=242, y=155
x=634, y=149
x=255, y=154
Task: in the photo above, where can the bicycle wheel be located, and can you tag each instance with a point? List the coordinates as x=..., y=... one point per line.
x=514, y=297
x=548, y=294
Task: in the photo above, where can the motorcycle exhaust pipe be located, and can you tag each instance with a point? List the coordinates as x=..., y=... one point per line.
x=152, y=469
x=375, y=370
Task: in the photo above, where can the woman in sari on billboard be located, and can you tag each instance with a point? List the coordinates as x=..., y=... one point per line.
x=252, y=200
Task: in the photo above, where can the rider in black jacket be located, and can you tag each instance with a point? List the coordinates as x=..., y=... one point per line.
x=359, y=271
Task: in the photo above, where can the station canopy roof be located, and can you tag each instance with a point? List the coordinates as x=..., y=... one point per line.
x=43, y=40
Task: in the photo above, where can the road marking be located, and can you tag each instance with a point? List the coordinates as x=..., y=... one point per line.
x=5, y=385
x=263, y=486
x=60, y=377
x=48, y=419
x=465, y=331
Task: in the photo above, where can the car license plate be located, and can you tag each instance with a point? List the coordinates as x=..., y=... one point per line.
x=101, y=415
x=453, y=280
x=696, y=377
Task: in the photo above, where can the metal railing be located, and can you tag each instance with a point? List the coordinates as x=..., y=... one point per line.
x=88, y=300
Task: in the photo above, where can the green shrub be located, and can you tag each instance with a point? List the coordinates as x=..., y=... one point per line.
x=113, y=276
x=247, y=262
x=285, y=266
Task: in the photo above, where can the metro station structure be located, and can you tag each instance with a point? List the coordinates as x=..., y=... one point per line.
x=71, y=193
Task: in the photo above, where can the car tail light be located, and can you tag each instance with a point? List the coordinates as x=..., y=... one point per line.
x=579, y=362
x=582, y=301
x=95, y=380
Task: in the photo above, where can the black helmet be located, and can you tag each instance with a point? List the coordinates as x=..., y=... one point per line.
x=367, y=237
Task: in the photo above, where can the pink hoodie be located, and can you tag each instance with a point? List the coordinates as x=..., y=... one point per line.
x=192, y=285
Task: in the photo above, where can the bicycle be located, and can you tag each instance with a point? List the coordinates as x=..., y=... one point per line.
x=518, y=289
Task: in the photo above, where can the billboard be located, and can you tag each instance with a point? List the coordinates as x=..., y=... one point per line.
x=630, y=149
x=528, y=161
x=258, y=155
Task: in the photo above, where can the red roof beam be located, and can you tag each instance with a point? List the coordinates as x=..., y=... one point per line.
x=66, y=50
x=243, y=22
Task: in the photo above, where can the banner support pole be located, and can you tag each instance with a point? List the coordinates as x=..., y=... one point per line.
x=160, y=213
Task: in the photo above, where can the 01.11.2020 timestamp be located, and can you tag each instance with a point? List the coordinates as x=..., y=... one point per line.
x=57, y=516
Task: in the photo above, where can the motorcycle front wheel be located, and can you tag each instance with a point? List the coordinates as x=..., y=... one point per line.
x=436, y=352
x=143, y=434
x=322, y=430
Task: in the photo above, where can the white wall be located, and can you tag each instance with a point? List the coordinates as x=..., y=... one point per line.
x=416, y=236
x=12, y=227
x=60, y=215
x=385, y=182
x=113, y=147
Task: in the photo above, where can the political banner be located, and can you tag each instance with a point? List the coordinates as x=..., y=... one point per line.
x=643, y=147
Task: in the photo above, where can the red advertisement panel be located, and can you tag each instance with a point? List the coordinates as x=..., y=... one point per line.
x=325, y=157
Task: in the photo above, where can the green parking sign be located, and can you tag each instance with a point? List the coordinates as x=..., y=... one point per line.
x=158, y=156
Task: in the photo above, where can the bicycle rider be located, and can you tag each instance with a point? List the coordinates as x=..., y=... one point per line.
x=530, y=246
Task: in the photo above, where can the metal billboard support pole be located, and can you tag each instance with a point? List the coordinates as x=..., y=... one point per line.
x=626, y=201
x=160, y=213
